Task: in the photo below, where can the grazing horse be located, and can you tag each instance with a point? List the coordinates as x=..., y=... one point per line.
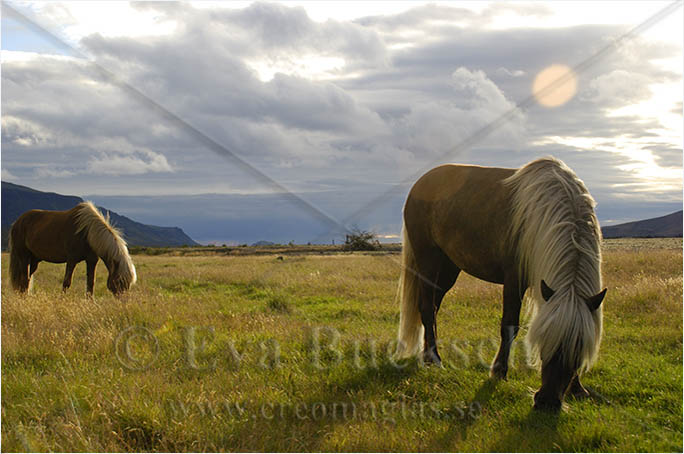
x=532, y=227
x=70, y=236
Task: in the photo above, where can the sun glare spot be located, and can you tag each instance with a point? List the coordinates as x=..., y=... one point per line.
x=555, y=85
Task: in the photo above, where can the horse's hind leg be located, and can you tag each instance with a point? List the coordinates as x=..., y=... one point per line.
x=510, y=323
x=20, y=276
x=19, y=261
x=434, y=285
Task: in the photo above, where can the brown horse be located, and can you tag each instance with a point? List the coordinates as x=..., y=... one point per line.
x=521, y=228
x=70, y=236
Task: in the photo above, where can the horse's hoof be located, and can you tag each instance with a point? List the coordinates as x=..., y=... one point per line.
x=432, y=359
x=547, y=405
x=587, y=393
x=498, y=372
x=433, y=362
x=579, y=394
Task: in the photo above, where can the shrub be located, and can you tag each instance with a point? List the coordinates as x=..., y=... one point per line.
x=361, y=240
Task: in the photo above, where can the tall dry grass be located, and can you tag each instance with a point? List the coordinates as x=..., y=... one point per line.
x=218, y=319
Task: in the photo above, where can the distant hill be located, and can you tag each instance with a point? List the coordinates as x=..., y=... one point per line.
x=263, y=243
x=17, y=199
x=662, y=227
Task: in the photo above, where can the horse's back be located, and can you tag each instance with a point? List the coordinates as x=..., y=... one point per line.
x=48, y=235
x=448, y=180
x=463, y=210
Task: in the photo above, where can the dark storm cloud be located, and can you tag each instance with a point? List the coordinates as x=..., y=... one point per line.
x=196, y=73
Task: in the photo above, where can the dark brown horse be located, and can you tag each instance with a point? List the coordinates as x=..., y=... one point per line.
x=70, y=236
x=522, y=228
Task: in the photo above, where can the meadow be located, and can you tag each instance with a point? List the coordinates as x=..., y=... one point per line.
x=283, y=351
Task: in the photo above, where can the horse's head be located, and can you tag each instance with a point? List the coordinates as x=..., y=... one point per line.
x=121, y=276
x=559, y=368
x=116, y=285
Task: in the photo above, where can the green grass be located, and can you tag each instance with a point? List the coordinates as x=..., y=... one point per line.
x=224, y=357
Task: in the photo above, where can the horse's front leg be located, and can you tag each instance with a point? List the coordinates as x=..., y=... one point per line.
x=510, y=324
x=91, y=263
x=68, y=275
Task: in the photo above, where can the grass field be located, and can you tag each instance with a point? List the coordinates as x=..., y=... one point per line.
x=260, y=353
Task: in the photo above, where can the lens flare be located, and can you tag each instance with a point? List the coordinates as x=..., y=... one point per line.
x=555, y=85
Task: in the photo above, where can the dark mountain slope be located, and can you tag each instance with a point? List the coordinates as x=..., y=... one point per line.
x=664, y=226
x=17, y=199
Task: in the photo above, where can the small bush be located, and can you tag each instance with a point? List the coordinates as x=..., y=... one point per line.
x=361, y=240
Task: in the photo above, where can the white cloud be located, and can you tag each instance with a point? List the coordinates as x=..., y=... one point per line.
x=510, y=73
x=47, y=172
x=309, y=66
x=7, y=175
x=76, y=20
x=137, y=163
x=23, y=132
x=432, y=129
x=618, y=88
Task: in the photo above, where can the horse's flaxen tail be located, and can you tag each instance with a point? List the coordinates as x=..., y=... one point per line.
x=107, y=243
x=19, y=260
x=410, y=323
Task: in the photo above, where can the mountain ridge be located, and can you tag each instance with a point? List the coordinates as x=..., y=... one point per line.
x=17, y=199
x=666, y=226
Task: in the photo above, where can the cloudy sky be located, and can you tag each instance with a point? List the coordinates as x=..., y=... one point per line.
x=201, y=115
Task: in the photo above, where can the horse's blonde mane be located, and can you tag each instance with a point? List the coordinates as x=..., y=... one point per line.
x=558, y=237
x=106, y=241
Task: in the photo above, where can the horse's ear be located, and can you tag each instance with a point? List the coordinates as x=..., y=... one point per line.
x=547, y=292
x=595, y=301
